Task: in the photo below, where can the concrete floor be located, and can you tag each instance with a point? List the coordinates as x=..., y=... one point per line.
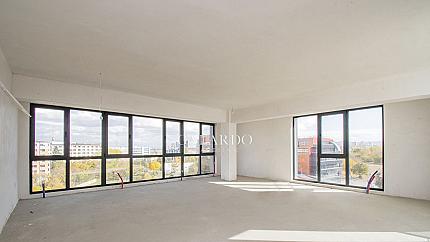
x=206, y=209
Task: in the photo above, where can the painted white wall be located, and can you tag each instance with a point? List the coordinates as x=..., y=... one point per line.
x=45, y=91
x=23, y=153
x=8, y=146
x=407, y=153
x=269, y=155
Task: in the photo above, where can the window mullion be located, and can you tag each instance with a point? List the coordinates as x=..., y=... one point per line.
x=181, y=147
x=319, y=147
x=130, y=146
x=346, y=145
x=200, y=147
x=164, y=149
x=104, y=146
x=67, y=145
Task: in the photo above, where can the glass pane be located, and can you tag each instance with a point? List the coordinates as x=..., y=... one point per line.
x=333, y=170
x=207, y=164
x=147, y=168
x=191, y=165
x=173, y=166
x=84, y=173
x=115, y=166
x=147, y=136
x=365, y=146
x=332, y=134
x=49, y=128
x=85, y=133
x=306, y=132
x=117, y=134
x=191, y=138
x=51, y=172
x=207, y=140
x=173, y=134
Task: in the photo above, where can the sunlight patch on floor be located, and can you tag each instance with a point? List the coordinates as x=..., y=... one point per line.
x=332, y=236
x=275, y=187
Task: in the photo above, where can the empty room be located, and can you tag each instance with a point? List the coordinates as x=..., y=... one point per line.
x=215, y=120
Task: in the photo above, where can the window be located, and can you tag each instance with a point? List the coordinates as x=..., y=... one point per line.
x=49, y=132
x=48, y=162
x=85, y=173
x=117, y=168
x=333, y=170
x=191, y=165
x=147, y=168
x=343, y=147
x=50, y=172
x=207, y=164
x=74, y=148
x=306, y=133
x=198, y=149
x=147, y=136
x=207, y=138
x=332, y=134
x=365, y=146
x=191, y=138
x=332, y=156
x=172, y=167
x=117, y=134
x=173, y=137
x=85, y=133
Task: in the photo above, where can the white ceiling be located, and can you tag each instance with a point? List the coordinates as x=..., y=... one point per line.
x=220, y=53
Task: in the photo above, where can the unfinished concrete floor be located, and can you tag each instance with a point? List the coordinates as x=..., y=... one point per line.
x=207, y=209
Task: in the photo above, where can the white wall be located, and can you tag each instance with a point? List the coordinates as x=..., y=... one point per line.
x=8, y=146
x=23, y=153
x=407, y=149
x=269, y=155
x=407, y=152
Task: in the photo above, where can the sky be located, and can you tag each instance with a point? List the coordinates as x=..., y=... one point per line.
x=49, y=125
x=147, y=132
x=191, y=134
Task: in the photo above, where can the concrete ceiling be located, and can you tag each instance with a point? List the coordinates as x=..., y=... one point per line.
x=220, y=53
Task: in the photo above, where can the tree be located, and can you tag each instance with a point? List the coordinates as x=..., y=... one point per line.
x=360, y=169
x=154, y=165
x=114, y=151
x=367, y=154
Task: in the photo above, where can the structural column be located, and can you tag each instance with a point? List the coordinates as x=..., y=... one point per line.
x=228, y=154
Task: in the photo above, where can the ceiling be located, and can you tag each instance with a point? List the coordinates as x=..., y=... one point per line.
x=220, y=53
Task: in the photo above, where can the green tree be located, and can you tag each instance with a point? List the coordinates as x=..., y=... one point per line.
x=367, y=154
x=360, y=169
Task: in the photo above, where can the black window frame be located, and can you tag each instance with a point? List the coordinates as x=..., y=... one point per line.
x=345, y=154
x=104, y=148
x=72, y=158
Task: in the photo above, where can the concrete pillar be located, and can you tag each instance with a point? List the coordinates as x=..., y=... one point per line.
x=228, y=151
